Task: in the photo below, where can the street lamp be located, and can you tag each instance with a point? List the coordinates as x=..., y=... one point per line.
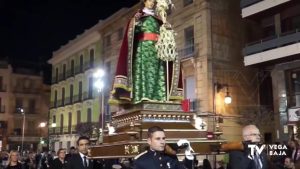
x=43, y=124
x=99, y=84
x=23, y=128
x=227, y=100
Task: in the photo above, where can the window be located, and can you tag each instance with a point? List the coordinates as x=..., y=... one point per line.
x=108, y=67
x=31, y=106
x=2, y=108
x=188, y=41
x=55, y=98
x=72, y=67
x=81, y=63
x=1, y=84
x=120, y=33
x=189, y=91
x=293, y=84
x=80, y=91
x=63, y=96
x=64, y=71
x=190, y=87
x=92, y=53
x=17, y=131
x=107, y=40
x=71, y=93
x=187, y=2
x=91, y=85
x=70, y=122
x=54, y=119
x=19, y=103
x=89, y=115
x=78, y=116
x=60, y=144
x=56, y=75
x=61, y=123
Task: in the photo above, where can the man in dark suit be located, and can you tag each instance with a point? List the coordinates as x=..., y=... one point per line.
x=243, y=159
x=155, y=157
x=81, y=160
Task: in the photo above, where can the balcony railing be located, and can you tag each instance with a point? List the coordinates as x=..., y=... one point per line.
x=77, y=98
x=27, y=110
x=54, y=80
x=68, y=101
x=88, y=95
x=53, y=104
x=88, y=65
x=187, y=52
x=63, y=130
x=26, y=90
x=246, y=3
x=59, y=103
x=79, y=69
x=272, y=42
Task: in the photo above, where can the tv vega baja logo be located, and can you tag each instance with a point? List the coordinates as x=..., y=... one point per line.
x=270, y=149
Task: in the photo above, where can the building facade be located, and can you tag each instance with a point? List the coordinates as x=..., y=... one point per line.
x=272, y=46
x=74, y=99
x=23, y=90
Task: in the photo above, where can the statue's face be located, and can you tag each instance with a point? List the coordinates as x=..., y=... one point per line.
x=149, y=4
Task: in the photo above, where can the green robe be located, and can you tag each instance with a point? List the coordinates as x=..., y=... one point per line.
x=148, y=71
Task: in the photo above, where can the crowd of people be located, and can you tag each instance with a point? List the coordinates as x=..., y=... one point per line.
x=35, y=160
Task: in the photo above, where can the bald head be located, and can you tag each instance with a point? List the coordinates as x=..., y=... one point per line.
x=251, y=133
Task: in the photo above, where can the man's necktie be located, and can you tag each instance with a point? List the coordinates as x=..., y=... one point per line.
x=85, y=162
x=295, y=155
x=257, y=161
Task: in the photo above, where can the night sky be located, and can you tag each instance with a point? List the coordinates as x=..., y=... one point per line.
x=30, y=30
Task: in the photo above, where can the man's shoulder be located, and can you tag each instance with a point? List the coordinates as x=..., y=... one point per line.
x=74, y=157
x=141, y=155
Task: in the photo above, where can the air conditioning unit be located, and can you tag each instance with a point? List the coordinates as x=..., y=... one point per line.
x=294, y=114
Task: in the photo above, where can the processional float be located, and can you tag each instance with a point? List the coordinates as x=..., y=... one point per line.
x=131, y=123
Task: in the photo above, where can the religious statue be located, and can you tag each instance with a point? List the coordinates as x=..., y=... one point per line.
x=148, y=68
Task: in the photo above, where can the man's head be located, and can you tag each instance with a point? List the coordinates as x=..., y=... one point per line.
x=156, y=138
x=251, y=133
x=72, y=150
x=61, y=153
x=83, y=143
x=288, y=162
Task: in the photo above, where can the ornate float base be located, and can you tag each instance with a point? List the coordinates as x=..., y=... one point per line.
x=131, y=126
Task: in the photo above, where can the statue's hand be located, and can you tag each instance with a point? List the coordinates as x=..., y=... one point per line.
x=167, y=25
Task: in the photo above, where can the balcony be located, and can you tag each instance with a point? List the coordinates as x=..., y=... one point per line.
x=251, y=7
x=28, y=111
x=187, y=52
x=53, y=104
x=23, y=90
x=77, y=98
x=54, y=80
x=2, y=109
x=246, y=3
x=272, y=48
x=79, y=69
x=62, y=130
x=88, y=95
x=88, y=65
x=59, y=103
x=68, y=101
